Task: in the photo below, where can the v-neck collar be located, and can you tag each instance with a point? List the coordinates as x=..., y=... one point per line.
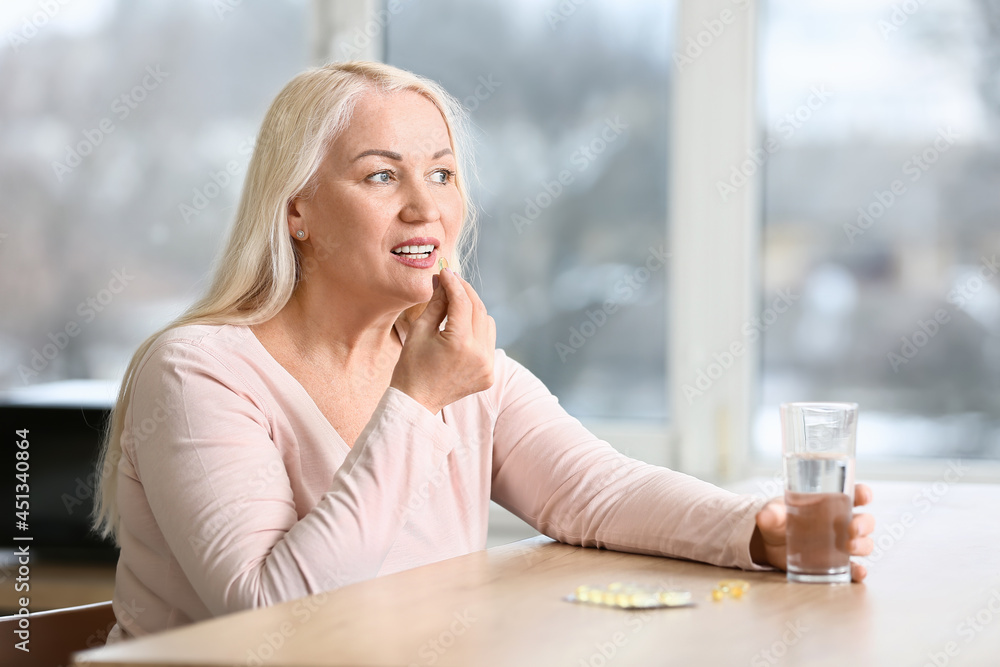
x=305, y=398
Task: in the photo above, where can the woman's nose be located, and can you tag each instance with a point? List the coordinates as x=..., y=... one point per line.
x=419, y=205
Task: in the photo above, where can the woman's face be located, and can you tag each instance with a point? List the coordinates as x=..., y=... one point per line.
x=386, y=185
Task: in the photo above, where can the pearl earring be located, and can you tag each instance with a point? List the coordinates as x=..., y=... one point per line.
x=300, y=234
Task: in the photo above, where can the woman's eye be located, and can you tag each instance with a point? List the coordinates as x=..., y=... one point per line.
x=443, y=175
x=382, y=177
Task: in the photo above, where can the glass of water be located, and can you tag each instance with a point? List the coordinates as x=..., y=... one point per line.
x=818, y=441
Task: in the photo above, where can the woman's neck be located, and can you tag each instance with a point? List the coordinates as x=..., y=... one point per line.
x=331, y=334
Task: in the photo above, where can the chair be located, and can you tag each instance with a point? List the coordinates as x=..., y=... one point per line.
x=55, y=635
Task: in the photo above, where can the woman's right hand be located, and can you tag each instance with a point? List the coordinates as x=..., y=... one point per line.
x=436, y=366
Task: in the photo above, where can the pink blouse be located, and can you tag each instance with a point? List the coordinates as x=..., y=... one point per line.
x=235, y=491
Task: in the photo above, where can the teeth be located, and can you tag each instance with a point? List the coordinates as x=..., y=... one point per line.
x=414, y=250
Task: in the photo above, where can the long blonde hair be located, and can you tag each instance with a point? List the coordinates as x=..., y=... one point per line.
x=260, y=265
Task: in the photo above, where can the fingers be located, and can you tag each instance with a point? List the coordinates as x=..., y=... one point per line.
x=492, y=335
x=459, y=306
x=862, y=525
x=436, y=308
x=482, y=325
x=449, y=359
x=858, y=571
x=860, y=546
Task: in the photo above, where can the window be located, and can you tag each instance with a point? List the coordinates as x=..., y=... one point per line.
x=570, y=103
x=126, y=130
x=880, y=221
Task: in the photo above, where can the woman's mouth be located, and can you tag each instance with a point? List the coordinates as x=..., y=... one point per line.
x=414, y=251
x=417, y=256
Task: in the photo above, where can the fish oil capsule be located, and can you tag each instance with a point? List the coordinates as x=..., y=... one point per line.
x=734, y=588
x=442, y=264
x=730, y=586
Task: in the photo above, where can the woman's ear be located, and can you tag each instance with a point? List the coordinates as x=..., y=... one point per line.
x=295, y=218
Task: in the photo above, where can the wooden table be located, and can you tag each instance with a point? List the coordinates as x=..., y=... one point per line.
x=932, y=597
x=58, y=585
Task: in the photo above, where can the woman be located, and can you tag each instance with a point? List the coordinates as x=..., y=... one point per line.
x=335, y=409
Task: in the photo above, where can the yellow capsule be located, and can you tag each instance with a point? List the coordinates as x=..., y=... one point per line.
x=615, y=586
x=736, y=592
x=622, y=599
x=595, y=596
x=442, y=264
x=608, y=598
x=717, y=594
x=581, y=592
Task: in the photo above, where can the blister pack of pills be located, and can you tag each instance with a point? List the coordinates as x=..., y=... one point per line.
x=631, y=596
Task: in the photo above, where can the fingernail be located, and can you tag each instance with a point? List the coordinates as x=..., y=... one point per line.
x=435, y=281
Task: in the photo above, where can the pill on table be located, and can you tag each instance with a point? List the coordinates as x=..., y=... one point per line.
x=674, y=598
x=630, y=596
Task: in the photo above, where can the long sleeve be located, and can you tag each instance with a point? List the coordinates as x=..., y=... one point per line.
x=566, y=483
x=220, y=490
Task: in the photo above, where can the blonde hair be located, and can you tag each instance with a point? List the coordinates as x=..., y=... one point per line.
x=260, y=265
